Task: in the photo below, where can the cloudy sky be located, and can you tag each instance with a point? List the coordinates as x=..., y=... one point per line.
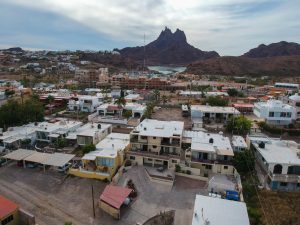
x=231, y=27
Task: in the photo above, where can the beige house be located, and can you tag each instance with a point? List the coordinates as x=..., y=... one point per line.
x=156, y=143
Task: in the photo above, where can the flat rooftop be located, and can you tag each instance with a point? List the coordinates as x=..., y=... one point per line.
x=214, y=109
x=238, y=141
x=90, y=129
x=200, y=141
x=218, y=211
x=157, y=128
x=278, y=151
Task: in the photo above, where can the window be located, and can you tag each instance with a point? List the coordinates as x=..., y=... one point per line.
x=154, y=146
x=289, y=114
x=225, y=167
x=132, y=157
x=154, y=137
x=7, y=220
x=105, y=162
x=271, y=114
x=149, y=159
x=208, y=167
x=283, y=184
x=174, y=161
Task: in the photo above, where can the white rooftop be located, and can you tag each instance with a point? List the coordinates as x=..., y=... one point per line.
x=90, y=129
x=109, y=146
x=238, y=141
x=157, y=128
x=219, y=212
x=277, y=151
x=274, y=104
x=214, y=109
x=201, y=142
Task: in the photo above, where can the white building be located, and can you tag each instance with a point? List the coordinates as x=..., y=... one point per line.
x=156, y=143
x=238, y=143
x=90, y=133
x=2, y=95
x=138, y=110
x=215, y=113
x=280, y=160
x=275, y=112
x=294, y=100
x=287, y=86
x=210, y=153
x=85, y=103
x=216, y=211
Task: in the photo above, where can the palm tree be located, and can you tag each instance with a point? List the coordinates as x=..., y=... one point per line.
x=121, y=102
x=164, y=99
x=157, y=95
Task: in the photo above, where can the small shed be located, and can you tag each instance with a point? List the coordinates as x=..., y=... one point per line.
x=112, y=198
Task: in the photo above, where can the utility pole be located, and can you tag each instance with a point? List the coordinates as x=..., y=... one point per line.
x=93, y=200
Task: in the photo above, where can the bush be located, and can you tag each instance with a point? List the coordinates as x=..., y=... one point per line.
x=177, y=168
x=88, y=148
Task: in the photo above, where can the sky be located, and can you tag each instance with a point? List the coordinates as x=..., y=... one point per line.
x=230, y=27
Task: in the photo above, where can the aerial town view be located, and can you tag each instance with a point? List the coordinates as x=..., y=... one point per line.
x=149, y=112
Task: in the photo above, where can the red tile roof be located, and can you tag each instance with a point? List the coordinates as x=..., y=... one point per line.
x=6, y=207
x=115, y=195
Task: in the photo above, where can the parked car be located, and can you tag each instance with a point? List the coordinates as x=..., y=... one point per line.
x=64, y=168
x=3, y=162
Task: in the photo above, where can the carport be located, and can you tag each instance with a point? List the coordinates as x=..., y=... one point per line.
x=58, y=159
x=19, y=155
x=38, y=157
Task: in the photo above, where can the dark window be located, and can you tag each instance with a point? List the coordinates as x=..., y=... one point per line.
x=208, y=167
x=132, y=157
x=154, y=137
x=149, y=159
x=174, y=161
x=283, y=184
x=154, y=146
x=271, y=114
x=7, y=220
x=225, y=167
x=277, y=169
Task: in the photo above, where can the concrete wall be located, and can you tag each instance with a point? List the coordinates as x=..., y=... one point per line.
x=26, y=218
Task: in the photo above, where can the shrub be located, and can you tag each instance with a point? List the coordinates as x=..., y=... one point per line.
x=177, y=168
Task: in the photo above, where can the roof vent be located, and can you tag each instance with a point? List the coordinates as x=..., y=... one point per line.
x=145, y=128
x=211, y=140
x=261, y=145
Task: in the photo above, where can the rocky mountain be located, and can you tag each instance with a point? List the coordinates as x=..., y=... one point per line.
x=229, y=65
x=168, y=49
x=282, y=48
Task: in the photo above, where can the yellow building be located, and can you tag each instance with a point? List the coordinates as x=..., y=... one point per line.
x=9, y=212
x=108, y=157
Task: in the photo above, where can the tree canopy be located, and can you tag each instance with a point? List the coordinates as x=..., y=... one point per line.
x=14, y=113
x=240, y=125
x=216, y=101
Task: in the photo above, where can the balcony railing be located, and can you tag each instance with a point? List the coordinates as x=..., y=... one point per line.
x=223, y=162
x=285, y=177
x=153, y=154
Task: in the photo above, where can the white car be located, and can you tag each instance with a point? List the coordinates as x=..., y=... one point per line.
x=64, y=168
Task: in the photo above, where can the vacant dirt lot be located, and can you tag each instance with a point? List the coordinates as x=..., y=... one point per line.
x=168, y=114
x=54, y=198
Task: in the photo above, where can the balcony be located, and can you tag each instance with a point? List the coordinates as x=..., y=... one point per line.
x=153, y=154
x=168, y=143
x=207, y=161
x=285, y=177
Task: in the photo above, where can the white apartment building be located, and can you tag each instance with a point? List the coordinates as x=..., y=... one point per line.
x=280, y=161
x=90, y=133
x=85, y=103
x=156, y=143
x=275, y=112
x=294, y=100
x=214, y=113
x=210, y=153
x=238, y=143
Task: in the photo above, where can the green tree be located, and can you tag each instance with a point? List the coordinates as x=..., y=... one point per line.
x=121, y=102
x=8, y=92
x=216, y=101
x=164, y=99
x=60, y=143
x=244, y=162
x=127, y=114
x=149, y=110
x=232, y=92
x=88, y=148
x=240, y=125
x=156, y=93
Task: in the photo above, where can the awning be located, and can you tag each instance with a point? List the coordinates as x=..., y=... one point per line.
x=53, y=135
x=19, y=154
x=115, y=195
x=225, y=152
x=38, y=157
x=58, y=159
x=89, y=157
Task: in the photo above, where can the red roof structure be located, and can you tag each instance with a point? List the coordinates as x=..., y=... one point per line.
x=6, y=207
x=115, y=195
x=242, y=105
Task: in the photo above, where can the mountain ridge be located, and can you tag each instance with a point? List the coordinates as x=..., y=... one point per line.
x=169, y=48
